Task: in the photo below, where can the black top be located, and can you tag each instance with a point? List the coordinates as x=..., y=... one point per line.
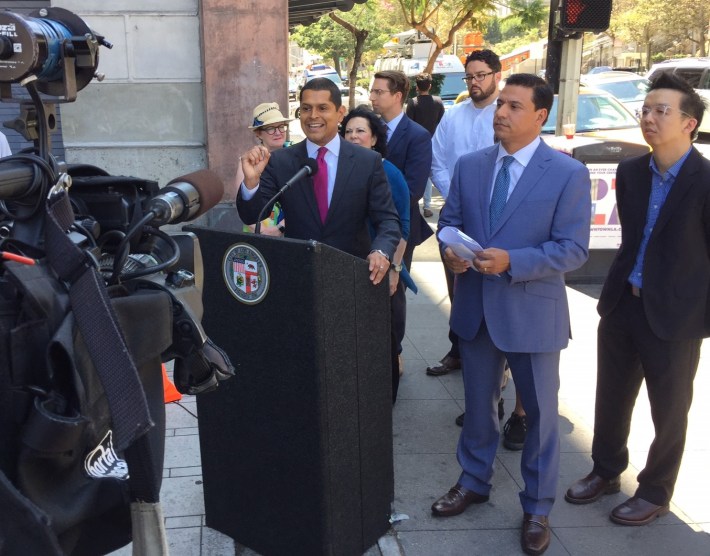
x=426, y=110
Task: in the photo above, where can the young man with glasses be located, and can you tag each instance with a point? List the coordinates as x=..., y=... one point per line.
x=655, y=305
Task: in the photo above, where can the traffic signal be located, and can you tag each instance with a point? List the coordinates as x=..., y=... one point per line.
x=585, y=15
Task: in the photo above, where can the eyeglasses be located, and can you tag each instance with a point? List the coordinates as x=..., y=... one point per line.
x=660, y=110
x=477, y=77
x=379, y=92
x=271, y=130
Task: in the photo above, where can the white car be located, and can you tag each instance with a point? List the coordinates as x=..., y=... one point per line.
x=630, y=88
x=696, y=71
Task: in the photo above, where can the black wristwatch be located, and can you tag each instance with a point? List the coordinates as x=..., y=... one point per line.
x=396, y=267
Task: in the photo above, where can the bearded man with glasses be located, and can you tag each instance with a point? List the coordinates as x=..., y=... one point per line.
x=655, y=304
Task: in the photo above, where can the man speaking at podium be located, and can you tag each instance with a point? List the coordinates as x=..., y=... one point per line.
x=334, y=206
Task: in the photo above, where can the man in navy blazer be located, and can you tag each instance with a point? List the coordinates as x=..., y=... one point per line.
x=408, y=148
x=655, y=304
x=357, y=188
x=530, y=209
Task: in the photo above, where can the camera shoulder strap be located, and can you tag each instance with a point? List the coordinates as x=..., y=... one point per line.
x=98, y=324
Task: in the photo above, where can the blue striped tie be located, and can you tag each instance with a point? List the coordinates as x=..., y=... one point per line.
x=500, y=192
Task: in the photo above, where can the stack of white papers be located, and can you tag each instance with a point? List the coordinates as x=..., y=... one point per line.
x=461, y=244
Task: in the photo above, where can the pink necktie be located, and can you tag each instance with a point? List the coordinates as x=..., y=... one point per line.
x=320, y=184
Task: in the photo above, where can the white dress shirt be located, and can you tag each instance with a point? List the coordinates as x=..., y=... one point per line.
x=522, y=159
x=463, y=129
x=392, y=125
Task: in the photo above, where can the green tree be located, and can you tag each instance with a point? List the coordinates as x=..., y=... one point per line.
x=511, y=27
x=346, y=35
x=449, y=15
x=324, y=37
x=638, y=21
x=493, y=34
x=531, y=14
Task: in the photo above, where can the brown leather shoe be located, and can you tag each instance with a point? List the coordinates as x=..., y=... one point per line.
x=448, y=364
x=535, y=537
x=591, y=488
x=456, y=501
x=637, y=511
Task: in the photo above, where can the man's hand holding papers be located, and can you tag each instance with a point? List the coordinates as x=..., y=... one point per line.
x=463, y=252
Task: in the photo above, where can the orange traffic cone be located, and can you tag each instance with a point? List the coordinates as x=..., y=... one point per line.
x=170, y=393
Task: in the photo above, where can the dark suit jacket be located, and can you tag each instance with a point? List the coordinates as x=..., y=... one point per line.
x=676, y=271
x=361, y=191
x=409, y=149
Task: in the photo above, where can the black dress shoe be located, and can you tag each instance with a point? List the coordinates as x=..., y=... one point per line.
x=535, y=536
x=637, y=511
x=591, y=488
x=459, y=419
x=448, y=364
x=514, y=432
x=456, y=501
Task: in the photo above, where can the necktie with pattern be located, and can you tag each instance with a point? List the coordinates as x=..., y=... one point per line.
x=320, y=184
x=500, y=192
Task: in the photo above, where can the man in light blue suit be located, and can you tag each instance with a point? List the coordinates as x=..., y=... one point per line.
x=529, y=207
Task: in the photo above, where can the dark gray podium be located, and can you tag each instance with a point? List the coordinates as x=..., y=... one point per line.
x=297, y=447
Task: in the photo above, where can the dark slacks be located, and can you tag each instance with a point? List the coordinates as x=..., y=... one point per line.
x=398, y=318
x=453, y=338
x=627, y=353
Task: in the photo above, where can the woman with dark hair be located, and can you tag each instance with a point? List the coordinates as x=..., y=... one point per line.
x=363, y=127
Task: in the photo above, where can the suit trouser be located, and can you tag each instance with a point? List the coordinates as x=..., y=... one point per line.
x=537, y=379
x=398, y=318
x=627, y=353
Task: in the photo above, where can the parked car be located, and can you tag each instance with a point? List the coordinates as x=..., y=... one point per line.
x=599, y=69
x=630, y=88
x=696, y=71
x=292, y=88
x=607, y=132
x=322, y=70
x=599, y=114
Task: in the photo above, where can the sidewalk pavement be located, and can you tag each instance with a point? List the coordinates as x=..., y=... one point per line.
x=425, y=465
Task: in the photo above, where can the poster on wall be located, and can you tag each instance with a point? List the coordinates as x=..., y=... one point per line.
x=605, y=230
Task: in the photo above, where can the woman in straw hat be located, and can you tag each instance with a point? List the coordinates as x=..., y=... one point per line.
x=270, y=128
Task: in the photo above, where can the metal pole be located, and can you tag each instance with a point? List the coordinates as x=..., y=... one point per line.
x=569, y=84
x=554, y=49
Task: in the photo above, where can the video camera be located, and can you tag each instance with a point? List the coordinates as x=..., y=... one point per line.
x=53, y=54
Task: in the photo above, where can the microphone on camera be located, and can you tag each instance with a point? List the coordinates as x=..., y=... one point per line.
x=186, y=198
x=309, y=168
